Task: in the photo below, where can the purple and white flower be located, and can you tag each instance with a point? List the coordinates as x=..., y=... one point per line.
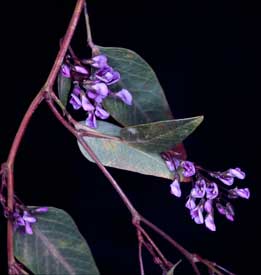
x=175, y=188
x=188, y=168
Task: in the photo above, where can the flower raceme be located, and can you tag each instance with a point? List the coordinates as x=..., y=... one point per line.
x=92, y=85
x=210, y=190
x=24, y=219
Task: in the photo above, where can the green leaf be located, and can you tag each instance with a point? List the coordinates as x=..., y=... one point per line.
x=118, y=154
x=171, y=271
x=149, y=101
x=160, y=136
x=64, y=87
x=56, y=247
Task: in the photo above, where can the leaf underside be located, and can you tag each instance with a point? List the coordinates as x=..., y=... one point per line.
x=118, y=154
x=56, y=247
x=160, y=136
x=149, y=101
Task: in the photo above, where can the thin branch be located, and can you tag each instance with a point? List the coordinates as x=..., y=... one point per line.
x=140, y=243
x=152, y=243
x=95, y=50
x=156, y=259
x=10, y=175
x=180, y=248
x=65, y=45
x=23, y=126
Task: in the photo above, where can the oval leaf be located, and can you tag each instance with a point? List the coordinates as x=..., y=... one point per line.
x=160, y=136
x=56, y=247
x=149, y=102
x=118, y=154
x=64, y=87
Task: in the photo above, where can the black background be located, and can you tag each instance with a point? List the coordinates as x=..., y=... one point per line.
x=207, y=57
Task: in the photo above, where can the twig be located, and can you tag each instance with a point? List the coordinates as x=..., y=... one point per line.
x=27, y=117
x=140, y=243
x=180, y=248
x=152, y=243
x=95, y=50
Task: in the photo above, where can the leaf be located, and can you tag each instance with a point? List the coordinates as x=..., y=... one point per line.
x=64, y=87
x=56, y=247
x=160, y=136
x=118, y=154
x=149, y=102
x=171, y=271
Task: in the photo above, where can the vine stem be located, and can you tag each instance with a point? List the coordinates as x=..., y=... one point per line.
x=47, y=94
x=26, y=119
x=135, y=214
x=95, y=50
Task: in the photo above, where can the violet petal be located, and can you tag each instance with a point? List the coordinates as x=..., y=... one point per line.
x=125, y=96
x=175, y=188
x=209, y=222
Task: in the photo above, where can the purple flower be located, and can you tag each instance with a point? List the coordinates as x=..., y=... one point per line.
x=226, y=179
x=175, y=188
x=240, y=192
x=188, y=168
x=212, y=190
x=108, y=75
x=125, y=96
x=24, y=221
x=229, y=212
x=101, y=113
x=236, y=173
x=75, y=101
x=81, y=70
x=228, y=176
x=199, y=189
x=41, y=210
x=209, y=222
x=91, y=120
x=99, y=61
x=197, y=214
x=86, y=104
x=208, y=206
x=190, y=204
x=221, y=208
x=170, y=165
x=65, y=70
x=99, y=92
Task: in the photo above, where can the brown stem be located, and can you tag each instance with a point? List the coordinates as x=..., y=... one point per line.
x=180, y=248
x=10, y=175
x=160, y=254
x=140, y=243
x=27, y=117
x=65, y=45
x=95, y=50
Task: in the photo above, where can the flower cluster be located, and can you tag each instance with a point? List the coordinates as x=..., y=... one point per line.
x=209, y=190
x=24, y=219
x=91, y=85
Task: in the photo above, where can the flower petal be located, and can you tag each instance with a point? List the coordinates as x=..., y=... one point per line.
x=212, y=190
x=80, y=69
x=101, y=113
x=65, y=70
x=237, y=173
x=91, y=120
x=125, y=96
x=99, y=61
x=209, y=222
x=175, y=188
x=86, y=104
x=189, y=168
x=190, y=204
x=28, y=228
